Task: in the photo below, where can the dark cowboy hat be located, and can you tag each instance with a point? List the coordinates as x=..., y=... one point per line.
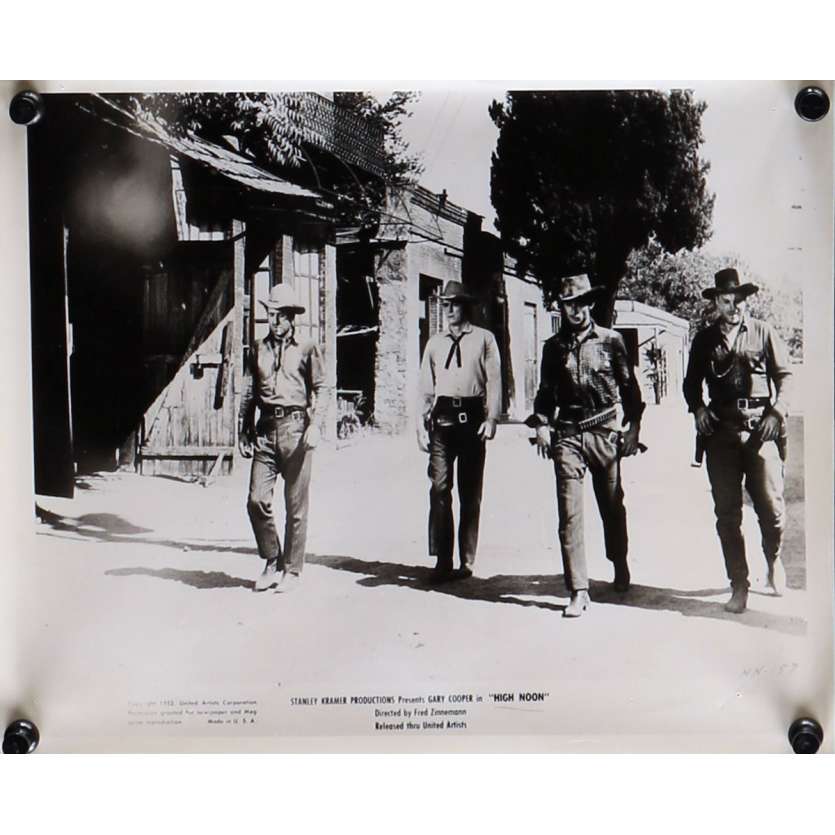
x=727, y=281
x=577, y=288
x=282, y=297
x=456, y=290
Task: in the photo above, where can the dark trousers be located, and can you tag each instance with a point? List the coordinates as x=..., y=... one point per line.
x=732, y=461
x=596, y=451
x=279, y=450
x=447, y=445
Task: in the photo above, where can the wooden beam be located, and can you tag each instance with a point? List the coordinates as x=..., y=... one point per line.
x=235, y=338
x=213, y=472
x=186, y=452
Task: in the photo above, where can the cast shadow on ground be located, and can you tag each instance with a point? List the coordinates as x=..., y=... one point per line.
x=196, y=579
x=522, y=590
x=113, y=529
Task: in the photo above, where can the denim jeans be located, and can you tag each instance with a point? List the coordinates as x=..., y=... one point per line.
x=279, y=450
x=730, y=460
x=597, y=451
x=447, y=445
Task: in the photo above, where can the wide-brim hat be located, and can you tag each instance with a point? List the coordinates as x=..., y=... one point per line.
x=727, y=281
x=577, y=288
x=455, y=290
x=282, y=297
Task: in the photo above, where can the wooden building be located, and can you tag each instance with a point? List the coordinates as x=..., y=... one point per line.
x=658, y=344
x=389, y=304
x=149, y=253
x=151, y=248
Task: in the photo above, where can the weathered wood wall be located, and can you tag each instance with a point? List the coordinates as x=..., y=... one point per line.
x=189, y=337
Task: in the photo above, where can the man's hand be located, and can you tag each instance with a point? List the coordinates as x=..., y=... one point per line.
x=423, y=439
x=311, y=437
x=245, y=444
x=705, y=421
x=487, y=430
x=543, y=441
x=629, y=440
x=769, y=428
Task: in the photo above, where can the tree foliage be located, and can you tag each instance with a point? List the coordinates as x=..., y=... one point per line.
x=268, y=127
x=402, y=167
x=580, y=179
x=271, y=129
x=674, y=282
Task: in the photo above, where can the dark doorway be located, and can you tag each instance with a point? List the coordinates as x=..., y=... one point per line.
x=357, y=322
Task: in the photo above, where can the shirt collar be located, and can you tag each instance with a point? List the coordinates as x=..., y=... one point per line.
x=467, y=327
x=741, y=328
x=567, y=335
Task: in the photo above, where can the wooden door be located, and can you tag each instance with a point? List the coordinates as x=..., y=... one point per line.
x=531, y=355
x=189, y=338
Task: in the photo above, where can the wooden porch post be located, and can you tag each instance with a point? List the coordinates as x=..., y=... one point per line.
x=237, y=335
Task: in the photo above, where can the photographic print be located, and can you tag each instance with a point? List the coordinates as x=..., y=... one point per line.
x=463, y=417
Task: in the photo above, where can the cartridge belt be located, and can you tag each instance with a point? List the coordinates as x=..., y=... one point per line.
x=585, y=421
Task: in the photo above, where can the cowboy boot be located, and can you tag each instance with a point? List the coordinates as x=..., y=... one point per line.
x=775, y=578
x=622, y=579
x=269, y=576
x=288, y=582
x=579, y=603
x=738, y=602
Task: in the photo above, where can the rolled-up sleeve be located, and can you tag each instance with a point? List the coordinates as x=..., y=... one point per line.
x=493, y=373
x=693, y=387
x=779, y=370
x=545, y=402
x=246, y=412
x=315, y=369
x=316, y=384
x=426, y=384
x=628, y=387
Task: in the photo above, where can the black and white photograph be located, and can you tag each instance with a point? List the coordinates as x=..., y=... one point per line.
x=453, y=417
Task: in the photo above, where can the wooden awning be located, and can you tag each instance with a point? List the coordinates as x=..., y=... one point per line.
x=226, y=162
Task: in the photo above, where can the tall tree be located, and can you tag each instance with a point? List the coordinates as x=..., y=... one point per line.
x=580, y=179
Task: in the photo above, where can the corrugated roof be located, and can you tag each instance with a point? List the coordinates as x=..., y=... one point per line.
x=225, y=161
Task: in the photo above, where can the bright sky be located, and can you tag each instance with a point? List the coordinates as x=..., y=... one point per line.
x=765, y=163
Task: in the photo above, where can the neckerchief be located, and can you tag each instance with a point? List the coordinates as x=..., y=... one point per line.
x=455, y=349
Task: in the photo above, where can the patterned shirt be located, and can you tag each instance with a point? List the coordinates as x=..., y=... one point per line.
x=463, y=366
x=747, y=368
x=282, y=373
x=593, y=373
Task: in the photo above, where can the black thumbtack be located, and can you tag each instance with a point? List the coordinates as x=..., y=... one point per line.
x=21, y=737
x=26, y=108
x=811, y=104
x=805, y=736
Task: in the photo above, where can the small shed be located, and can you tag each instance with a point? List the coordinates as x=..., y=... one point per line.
x=658, y=344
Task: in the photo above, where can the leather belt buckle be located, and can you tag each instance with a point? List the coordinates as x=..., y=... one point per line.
x=456, y=402
x=462, y=417
x=742, y=404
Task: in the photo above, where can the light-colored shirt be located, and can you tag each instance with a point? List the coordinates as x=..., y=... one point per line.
x=285, y=372
x=757, y=363
x=730, y=336
x=465, y=366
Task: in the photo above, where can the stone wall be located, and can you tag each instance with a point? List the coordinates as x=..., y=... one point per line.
x=391, y=409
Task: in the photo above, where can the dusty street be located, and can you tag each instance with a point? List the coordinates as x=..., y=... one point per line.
x=145, y=586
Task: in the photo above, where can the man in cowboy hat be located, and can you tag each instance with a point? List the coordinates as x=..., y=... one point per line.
x=287, y=376
x=459, y=406
x=585, y=374
x=742, y=427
